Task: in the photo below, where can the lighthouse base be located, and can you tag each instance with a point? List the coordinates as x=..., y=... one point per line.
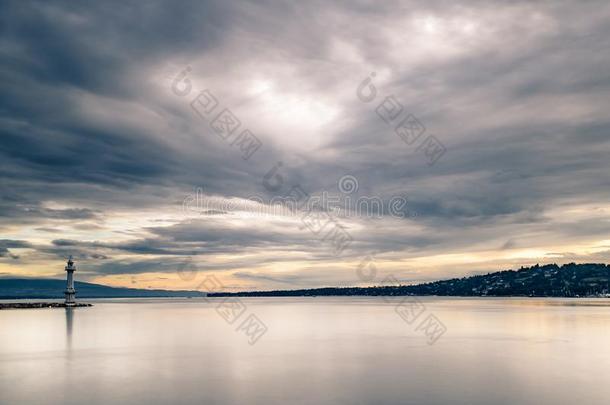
x=70, y=298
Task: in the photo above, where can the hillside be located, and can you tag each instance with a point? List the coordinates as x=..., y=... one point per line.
x=14, y=288
x=570, y=280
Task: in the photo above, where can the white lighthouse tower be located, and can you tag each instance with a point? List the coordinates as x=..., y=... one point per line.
x=70, y=291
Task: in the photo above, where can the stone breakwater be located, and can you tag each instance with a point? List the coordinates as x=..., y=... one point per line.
x=27, y=305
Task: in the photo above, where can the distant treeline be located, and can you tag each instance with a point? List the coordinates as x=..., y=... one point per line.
x=569, y=280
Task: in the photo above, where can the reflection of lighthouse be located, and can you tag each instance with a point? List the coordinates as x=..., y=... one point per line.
x=70, y=291
x=69, y=322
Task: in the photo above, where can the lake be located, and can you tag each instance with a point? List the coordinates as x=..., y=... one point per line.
x=318, y=350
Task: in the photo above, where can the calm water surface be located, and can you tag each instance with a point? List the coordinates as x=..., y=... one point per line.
x=316, y=351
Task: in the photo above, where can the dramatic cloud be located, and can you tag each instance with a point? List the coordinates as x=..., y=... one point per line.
x=105, y=138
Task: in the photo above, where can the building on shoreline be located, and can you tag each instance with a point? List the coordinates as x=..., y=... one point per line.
x=70, y=291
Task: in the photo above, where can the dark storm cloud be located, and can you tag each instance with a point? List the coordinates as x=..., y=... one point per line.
x=58, y=55
x=6, y=244
x=93, y=46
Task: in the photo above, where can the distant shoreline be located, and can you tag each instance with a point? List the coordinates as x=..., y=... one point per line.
x=587, y=280
x=53, y=289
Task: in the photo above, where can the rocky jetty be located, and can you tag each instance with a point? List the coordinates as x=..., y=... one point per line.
x=27, y=305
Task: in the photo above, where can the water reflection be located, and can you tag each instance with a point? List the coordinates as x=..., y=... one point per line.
x=317, y=350
x=69, y=326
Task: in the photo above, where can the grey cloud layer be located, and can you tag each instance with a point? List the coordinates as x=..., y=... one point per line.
x=521, y=105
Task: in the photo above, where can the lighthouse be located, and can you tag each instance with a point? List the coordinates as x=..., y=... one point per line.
x=70, y=291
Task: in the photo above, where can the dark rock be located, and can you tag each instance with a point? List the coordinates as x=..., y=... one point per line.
x=29, y=305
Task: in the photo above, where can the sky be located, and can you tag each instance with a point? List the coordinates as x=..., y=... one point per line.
x=152, y=141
